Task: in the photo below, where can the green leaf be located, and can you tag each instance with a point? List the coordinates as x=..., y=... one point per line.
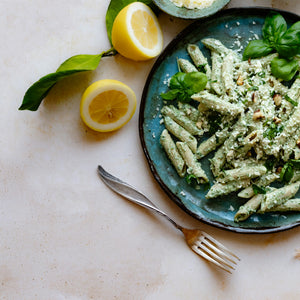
x=258, y=189
x=115, y=6
x=80, y=62
x=184, y=85
x=177, y=81
x=39, y=90
x=288, y=45
x=195, y=82
x=170, y=95
x=257, y=49
x=273, y=28
x=287, y=172
x=284, y=68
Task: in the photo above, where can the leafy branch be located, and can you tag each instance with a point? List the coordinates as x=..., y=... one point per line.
x=78, y=63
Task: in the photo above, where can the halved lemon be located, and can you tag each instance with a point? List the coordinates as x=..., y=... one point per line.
x=136, y=33
x=107, y=105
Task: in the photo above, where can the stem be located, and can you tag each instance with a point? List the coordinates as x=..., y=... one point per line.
x=111, y=52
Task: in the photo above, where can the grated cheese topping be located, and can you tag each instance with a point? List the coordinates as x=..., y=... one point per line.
x=191, y=4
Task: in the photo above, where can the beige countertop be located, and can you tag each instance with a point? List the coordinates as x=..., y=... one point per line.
x=64, y=234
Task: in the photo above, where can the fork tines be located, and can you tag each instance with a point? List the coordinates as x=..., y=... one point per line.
x=215, y=252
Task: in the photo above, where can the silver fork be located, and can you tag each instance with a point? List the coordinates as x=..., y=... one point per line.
x=199, y=241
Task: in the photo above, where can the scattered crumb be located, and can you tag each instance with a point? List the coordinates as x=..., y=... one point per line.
x=231, y=208
x=297, y=254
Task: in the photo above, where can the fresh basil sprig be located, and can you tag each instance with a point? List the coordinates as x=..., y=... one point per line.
x=277, y=38
x=78, y=63
x=184, y=85
x=115, y=6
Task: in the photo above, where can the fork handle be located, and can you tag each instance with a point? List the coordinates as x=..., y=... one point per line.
x=132, y=194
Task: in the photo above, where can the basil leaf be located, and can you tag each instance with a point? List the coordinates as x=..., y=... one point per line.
x=287, y=172
x=274, y=26
x=258, y=189
x=195, y=81
x=115, y=6
x=288, y=45
x=177, y=81
x=284, y=68
x=184, y=85
x=39, y=90
x=256, y=49
x=170, y=95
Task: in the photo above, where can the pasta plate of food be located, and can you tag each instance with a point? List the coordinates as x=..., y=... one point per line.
x=220, y=123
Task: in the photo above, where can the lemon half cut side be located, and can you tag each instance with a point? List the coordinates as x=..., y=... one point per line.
x=107, y=105
x=136, y=33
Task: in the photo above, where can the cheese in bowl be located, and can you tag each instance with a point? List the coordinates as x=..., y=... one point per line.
x=193, y=4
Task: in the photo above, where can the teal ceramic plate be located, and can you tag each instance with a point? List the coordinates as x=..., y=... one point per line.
x=181, y=12
x=229, y=26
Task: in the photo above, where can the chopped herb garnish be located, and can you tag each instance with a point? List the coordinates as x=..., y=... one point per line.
x=273, y=130
x=214, y=121
x=270, y=163
x=258, y=189
x=287, y=172
x=201, y=68
x=253, y=88
x=287, y=98
x=191, y=179
x=295, y=163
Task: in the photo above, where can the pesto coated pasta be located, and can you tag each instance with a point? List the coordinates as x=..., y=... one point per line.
x=247, y=120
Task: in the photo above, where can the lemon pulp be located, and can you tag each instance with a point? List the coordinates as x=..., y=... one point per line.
x=144, y=29
x=103, y=110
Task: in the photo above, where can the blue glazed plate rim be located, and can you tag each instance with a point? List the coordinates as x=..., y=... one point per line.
x=242, y=12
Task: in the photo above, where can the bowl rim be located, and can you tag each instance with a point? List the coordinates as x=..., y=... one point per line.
x=190, y=14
